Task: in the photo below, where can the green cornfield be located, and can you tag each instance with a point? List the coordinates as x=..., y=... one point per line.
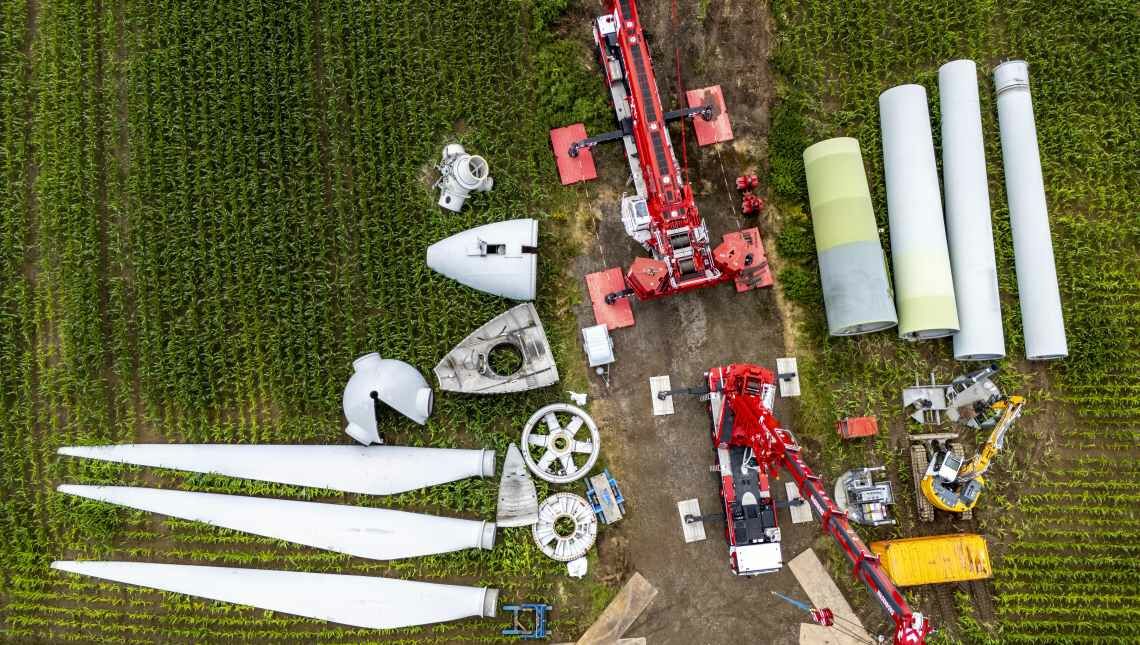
x=1061, y=520
x=209, y=209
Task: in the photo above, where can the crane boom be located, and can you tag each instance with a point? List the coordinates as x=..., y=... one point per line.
x=742, y=419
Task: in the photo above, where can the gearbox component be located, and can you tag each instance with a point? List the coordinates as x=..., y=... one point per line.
x=461, y=174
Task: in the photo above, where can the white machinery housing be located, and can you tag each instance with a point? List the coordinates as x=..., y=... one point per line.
x=461, y=174
x=394, y=383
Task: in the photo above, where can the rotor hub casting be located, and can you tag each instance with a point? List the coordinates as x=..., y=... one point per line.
x=566, y=527
x=558, y=450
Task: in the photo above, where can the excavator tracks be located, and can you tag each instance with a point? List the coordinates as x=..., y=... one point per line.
x=918, y=463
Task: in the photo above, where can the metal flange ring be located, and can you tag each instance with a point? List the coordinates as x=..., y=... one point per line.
x=566, y=527
x=557, y=450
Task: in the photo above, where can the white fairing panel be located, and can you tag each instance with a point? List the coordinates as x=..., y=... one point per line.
x=375, y=533
x=1041, y=317
x=968, y=226
x=360, y=601
x=395, y=383
x=375, y=470
x=497, y=258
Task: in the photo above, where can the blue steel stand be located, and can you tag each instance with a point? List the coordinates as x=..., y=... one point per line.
x=516, y=629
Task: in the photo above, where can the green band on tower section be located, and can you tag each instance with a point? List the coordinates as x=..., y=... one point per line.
x=856, y=290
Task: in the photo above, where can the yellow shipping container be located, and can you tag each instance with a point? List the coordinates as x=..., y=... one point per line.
x=934, y=559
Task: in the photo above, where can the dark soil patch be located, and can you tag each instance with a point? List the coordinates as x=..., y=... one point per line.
x=662, y=460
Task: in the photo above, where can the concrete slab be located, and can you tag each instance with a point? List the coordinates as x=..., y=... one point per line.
x=694, y=532
x=658, y=384
x=822, y=592
x=802, y=513
x=788, y=374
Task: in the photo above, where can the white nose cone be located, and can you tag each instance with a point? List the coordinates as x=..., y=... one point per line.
x=500, y=259
x=395, y=383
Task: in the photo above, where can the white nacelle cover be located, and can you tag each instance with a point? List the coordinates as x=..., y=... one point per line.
x=360, y=601
x=491, y=258
x=752, y=559
x=397, y=384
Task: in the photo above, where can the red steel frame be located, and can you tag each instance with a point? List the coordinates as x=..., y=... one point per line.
x=755, y=426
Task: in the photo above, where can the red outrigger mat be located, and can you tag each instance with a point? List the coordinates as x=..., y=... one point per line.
x=757, y=275
x=617, y=315
x=719, y=129
x=572, y=170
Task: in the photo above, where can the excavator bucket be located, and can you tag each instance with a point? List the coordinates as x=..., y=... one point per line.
x=717, y=130
x=572, y=170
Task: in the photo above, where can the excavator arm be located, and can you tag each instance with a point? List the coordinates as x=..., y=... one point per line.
x=962, y=492
x=1010, y=411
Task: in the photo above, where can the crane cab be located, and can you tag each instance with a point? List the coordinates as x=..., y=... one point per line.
x=945, y=466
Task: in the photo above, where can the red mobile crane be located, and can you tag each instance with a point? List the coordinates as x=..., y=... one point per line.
x=662, y=216
x=750, y=448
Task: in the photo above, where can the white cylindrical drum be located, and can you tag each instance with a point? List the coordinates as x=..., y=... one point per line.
x=968, y=225
x=1041, y=318
x=856, y=291
x=924, y=288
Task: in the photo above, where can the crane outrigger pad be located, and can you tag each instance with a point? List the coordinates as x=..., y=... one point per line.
x=717, y=130
x=572, y=170
x=602, y=283
x=360, y=601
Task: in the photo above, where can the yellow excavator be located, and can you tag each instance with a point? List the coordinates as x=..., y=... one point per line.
x=950, y=485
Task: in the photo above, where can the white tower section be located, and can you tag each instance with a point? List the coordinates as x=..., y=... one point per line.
x=924, y=288
x=968, y=226
x=1041, y=318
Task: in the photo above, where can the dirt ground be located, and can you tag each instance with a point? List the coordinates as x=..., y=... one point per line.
x=662, y=460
